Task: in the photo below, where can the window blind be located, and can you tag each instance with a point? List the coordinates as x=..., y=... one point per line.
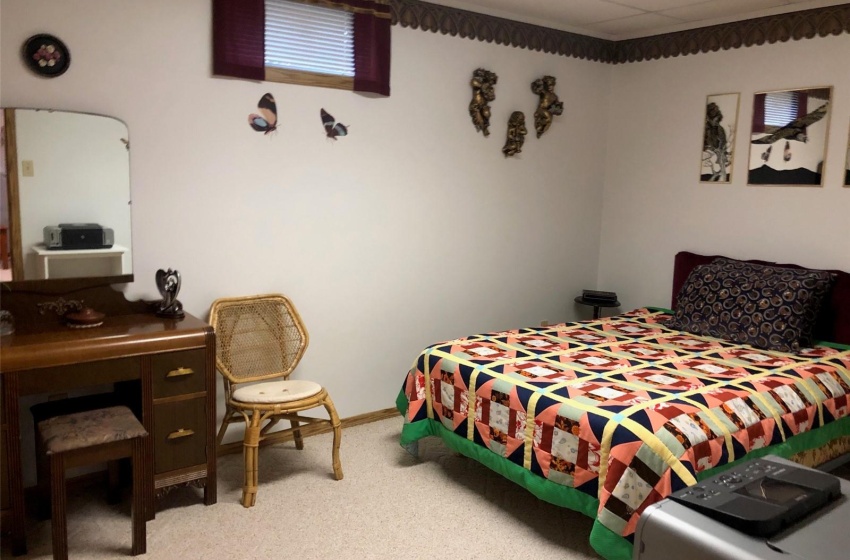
x=781, y=107
x=309, y=38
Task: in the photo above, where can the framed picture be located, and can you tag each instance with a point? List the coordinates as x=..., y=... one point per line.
x=788, y=137
x=847, y=164
x=718, y=138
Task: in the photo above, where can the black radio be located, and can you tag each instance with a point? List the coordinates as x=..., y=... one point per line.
x=761, y=498
x=67, y=237
x=599, y=296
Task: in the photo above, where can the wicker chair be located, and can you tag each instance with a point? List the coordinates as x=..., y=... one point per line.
x=262, y=339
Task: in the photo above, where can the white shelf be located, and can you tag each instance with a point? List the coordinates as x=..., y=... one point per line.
x=115, y=254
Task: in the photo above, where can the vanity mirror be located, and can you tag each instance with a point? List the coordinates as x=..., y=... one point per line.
x=70, y=171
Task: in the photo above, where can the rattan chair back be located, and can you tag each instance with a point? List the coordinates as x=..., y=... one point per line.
x=257, y=337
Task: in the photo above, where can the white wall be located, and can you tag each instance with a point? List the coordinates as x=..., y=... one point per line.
x=654, y=205
x=411, y=230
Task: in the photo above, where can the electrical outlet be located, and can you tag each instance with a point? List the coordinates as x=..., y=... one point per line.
x=27, y=168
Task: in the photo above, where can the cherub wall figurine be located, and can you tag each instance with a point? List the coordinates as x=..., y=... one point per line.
x=516, y=134
x=483, y=92
x=168, y=284
x=549, y=105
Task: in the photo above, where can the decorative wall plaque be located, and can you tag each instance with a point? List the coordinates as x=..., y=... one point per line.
x=516, y=134
x=718, y=138
x=483, y=92
x=788, y=137
x=46, y=55
x=548, y=106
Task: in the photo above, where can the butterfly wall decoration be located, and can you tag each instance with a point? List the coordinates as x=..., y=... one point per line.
x=333, y=128
x=266, y=121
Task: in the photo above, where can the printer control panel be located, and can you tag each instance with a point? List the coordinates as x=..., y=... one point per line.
x=720, y=487
x=761, y=497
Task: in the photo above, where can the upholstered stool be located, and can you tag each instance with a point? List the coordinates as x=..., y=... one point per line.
x=84, y=438
x=41, y=412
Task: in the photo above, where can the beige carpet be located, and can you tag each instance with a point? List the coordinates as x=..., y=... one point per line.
x=389, y=505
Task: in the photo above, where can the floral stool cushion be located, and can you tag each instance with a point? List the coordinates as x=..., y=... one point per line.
x=90, y=428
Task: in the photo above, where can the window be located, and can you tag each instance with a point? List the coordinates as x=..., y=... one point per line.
x=781, y=107
x=309, y=44
x=331, y=43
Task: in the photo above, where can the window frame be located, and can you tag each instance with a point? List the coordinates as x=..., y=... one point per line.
x=238, y=45
x=306, y=77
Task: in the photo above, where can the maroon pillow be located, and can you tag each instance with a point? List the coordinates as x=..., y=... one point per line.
x=833, y=322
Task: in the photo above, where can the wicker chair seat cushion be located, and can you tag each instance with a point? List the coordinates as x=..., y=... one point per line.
x=90, y=428
x=276, y=391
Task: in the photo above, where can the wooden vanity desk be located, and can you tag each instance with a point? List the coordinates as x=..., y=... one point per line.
x=167, y=365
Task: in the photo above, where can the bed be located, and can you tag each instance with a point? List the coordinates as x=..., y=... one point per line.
x=608, y=416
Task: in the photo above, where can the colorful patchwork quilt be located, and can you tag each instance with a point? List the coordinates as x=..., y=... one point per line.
x=612, y=415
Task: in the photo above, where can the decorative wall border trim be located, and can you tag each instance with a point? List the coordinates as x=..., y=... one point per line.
x=472, y=25
x=806, y=24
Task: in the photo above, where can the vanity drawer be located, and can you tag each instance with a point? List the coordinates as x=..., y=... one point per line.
x=61, y=379
x=180, y=434
x=178, y=373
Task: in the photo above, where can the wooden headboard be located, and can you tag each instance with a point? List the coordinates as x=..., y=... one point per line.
x=834, y=318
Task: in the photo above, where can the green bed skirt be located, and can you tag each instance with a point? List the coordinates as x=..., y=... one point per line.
x=607, y=543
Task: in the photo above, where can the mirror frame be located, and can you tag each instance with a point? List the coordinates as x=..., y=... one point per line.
x=13, y=198
x=730, y=128
x=823, y=155
x=847, y=163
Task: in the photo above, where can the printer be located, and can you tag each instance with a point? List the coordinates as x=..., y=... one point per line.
x=68, y=237
x=764, y=509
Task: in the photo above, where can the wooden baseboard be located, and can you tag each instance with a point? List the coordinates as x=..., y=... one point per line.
x=314, y=429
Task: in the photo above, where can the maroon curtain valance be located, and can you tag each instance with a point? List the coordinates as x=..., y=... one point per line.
x=377, y=8
x=371, y=54
x=239, y=40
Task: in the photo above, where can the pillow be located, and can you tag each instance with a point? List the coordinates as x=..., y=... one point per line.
x=833, y=322
x=764, y=306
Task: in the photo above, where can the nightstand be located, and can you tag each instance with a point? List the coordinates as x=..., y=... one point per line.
x=596, y=304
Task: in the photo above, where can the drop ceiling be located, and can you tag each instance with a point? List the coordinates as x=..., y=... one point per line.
x=628, y=19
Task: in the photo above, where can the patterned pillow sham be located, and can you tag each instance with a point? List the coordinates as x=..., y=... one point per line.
x=764, y=306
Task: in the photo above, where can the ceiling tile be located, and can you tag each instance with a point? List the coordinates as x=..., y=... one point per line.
x=656, y=5
x=592, y=16
x=566, y=12
x=721, y=9
x=634, y=23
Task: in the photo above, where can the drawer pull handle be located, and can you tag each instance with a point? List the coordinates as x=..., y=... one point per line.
x=181, y=433
x=180, y=372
